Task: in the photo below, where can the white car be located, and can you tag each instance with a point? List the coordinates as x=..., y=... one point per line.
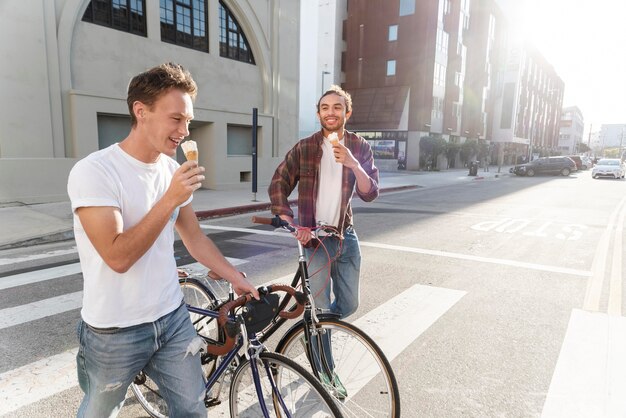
x=609, y=167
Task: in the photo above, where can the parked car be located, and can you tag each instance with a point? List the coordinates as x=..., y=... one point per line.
x=545, y=165
x=609, y=167
x=587, y=162
x=577, y=160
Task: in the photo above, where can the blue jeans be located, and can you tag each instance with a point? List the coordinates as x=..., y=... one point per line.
x=109, y=359
x=343, y=276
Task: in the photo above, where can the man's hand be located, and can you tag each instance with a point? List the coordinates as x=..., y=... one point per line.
x=186, y=180
x=241, y=286
x=303, y=235
x=344, y=156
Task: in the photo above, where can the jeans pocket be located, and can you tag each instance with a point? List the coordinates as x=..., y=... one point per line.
x=79, y=331
x=103, y=331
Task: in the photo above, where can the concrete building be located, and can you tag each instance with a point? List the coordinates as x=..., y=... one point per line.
x=571, y=129
x=528, y=104
x=67, y=64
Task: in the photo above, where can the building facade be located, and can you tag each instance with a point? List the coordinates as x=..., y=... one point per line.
x=528, y=106
x=446, y=69
x=571, y=129
x=71, y=60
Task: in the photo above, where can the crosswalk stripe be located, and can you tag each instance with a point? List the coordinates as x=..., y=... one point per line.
x=31, y=257
x=386, y=324
x=16, y=315
x=39, y=380
x=39, y=275
x=589, y=379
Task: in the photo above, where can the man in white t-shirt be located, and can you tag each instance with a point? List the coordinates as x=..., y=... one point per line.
x=127, y=199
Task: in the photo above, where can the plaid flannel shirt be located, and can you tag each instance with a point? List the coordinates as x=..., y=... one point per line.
x=301, y=166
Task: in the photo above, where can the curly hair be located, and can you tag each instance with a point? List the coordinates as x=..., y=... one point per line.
x=334, y=89
x=148, y=86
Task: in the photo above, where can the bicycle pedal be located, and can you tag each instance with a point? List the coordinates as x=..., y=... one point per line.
x=212, y=402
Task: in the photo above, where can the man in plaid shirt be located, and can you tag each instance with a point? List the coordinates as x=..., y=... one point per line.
x=328, y=167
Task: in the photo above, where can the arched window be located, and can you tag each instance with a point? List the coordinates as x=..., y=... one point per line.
x=124, y=15
x=233, y=42
x=184, y=23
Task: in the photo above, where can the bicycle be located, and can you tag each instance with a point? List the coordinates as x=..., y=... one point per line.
x=345, y=359
x=262, y=384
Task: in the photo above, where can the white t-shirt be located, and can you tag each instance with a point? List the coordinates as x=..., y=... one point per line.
x=328, y=203
x=149, y=289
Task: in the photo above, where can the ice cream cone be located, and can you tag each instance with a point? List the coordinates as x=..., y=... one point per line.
x=190, y=148
x=333, y=138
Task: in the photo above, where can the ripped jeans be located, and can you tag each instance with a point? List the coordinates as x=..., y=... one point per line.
x=109, y=359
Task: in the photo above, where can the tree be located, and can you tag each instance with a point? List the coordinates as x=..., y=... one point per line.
x=430, y=149
x=469, y=148
x=452, y=149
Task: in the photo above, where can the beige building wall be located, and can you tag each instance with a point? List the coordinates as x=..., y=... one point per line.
x=64, y=73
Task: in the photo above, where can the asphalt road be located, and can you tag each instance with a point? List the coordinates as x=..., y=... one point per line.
x=500, y=298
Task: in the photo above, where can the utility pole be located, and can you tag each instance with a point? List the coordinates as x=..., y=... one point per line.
x=621, y=139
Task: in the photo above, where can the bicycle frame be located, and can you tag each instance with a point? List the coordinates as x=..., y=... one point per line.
x=310, y=317
x=254, y=347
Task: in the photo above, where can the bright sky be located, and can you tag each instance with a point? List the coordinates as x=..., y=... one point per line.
x=585, y=41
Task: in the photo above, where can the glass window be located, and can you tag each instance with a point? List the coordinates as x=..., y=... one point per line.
x=184, y=23
x=124, y=15
x=393, y=33
x=391, y=67
x=407, y=7
x=233, y=42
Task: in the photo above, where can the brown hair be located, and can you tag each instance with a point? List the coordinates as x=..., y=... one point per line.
x=148, y=86
x=334, y=89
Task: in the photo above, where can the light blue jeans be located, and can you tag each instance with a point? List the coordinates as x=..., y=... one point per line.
x=342, y=277
x=109, y=359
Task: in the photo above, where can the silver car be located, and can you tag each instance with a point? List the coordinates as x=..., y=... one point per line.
x=609, y=167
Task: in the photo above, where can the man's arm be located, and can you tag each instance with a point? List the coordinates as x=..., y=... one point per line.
x=365, y=172
x=120, y=248
x=283, y=182
x=204, y=250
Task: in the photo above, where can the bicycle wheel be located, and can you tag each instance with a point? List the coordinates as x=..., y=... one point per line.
x=362, y=378
x=144, y=388
x=197, y=294
x=298, y=393
x=147, y=394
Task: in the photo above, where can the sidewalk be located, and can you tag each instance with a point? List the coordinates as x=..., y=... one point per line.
x=52, y=222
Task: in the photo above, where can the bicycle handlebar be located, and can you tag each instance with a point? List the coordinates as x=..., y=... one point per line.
x=231, y=332
x=276, y=222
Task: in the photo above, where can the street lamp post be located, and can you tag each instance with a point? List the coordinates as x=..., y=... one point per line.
x=323, y=74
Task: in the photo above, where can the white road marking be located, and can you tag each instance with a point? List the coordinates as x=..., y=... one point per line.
x=589, y=380
x=246, y=230
x=16, y=315
x=512, y=263
x=615, y=282
x=39, y=275
x=422, y=305
x=598, y=267
x=35, y=381
x=55, y=253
